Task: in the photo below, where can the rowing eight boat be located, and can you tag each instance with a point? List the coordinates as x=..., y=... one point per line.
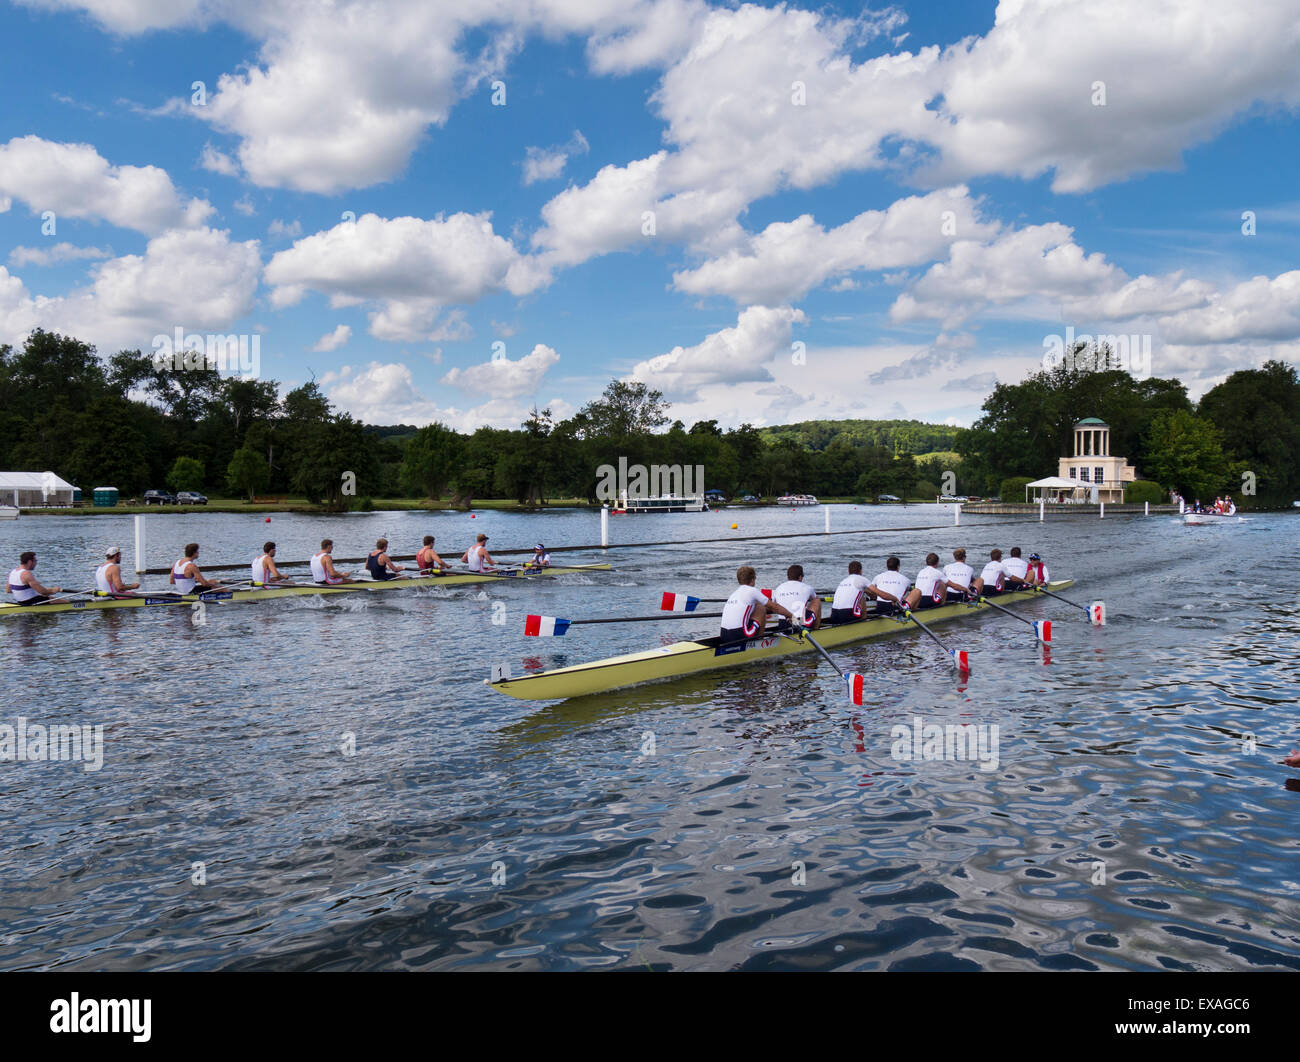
x=146, y=599
x=687, y=658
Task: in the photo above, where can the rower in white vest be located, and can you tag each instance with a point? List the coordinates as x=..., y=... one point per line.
x=889, y=588
x=323, y=572
x=108, y=576
x=959, y=575
x=799, y=598
x=25, y=587
x=847, y=604
x=931, y=585
x=1017, y=570
x=992, y=579
x=186, y=575
x=264, y=572
x=746, y=610
x=477, y=556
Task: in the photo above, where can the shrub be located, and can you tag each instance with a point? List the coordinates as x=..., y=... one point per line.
x=1013, y=489
x=1143, y=490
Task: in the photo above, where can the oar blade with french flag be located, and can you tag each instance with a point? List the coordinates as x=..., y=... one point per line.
x=853, y=680
x=1043, y=628
x=545, y=627
x=678, y=603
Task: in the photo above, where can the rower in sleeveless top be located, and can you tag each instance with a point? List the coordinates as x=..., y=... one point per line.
x=323, y=572
x=847, y=604
x=24, y=585
x=1016, y=569
x=427, y=559
x=477, y=556
x=380, y=565
x=889, y=588
x=931, y=586
x=959, y=575
x=746, y=611
x=185, y=574
x=263, y=572
x=108, y=576
x=799, y=598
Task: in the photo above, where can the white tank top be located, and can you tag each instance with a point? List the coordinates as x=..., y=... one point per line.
x=476, y=558
x=101, y=579
x=184, y=584
x=20, y=590
x=318, y=572
x=258, y=571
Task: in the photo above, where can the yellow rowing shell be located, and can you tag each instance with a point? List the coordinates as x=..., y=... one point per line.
x=687, y=658
x=235, y=597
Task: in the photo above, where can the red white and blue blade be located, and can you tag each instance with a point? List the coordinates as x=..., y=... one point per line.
x=678, y=603
x=545, y=626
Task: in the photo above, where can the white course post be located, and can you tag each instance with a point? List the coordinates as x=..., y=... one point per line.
x=604, y=525
x=1181, y=503
x=1103, y=510
x=956, y=515
x=139, y=545
x=1146, y=508
x=827, y=510
x=1042, y=508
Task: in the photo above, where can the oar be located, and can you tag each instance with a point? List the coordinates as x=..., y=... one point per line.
x=1042, y=628
x=959, y=657
x=554, y=627
x=671, y=602
x=66, y=595
x=852, y=679
x=1096, y=611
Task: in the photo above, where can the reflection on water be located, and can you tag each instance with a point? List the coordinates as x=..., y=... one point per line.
x=351, y=796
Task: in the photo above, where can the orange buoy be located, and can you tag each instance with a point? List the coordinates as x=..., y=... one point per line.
x=735, y=527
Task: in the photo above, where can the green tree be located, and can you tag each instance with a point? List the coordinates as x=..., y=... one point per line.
x=431, y=461
x=335, y=460
x=248, y=472
x=186, y=474
x=1258, y=413
x=1185, y=453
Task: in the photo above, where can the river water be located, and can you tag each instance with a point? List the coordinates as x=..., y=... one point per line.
x=327, y=784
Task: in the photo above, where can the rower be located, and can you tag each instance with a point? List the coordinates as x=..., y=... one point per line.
x=745, y=613
x=540, y=558
x=24, y=585
x=185, y=572
x=427, y=558
x=931, y=589
x=992, y=578
x=846, y=605
x=323, y=572
x=1038, y=574
x=264, y=573
x=959, y=575
x=1017, y=570
x=380, y=565
x=889, y=588
x=799, y=598
x=477, y=556
x=108, y=576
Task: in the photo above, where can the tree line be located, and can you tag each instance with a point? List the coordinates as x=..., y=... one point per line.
x=132, y=424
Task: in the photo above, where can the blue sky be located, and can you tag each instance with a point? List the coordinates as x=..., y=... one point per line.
x=943, y=193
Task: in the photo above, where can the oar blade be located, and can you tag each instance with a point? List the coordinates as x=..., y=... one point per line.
x=1097, y=613
x=853, y=682
x=961, y=660
x=678, y=603
x=1043, y=628
x=545, y=626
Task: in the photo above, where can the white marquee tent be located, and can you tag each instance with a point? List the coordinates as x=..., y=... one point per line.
x=29, y=489
x=1054, y=484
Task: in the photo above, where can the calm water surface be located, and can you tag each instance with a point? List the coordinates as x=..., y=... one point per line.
x=742, y=819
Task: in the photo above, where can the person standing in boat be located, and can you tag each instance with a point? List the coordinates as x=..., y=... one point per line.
x=959, y=575
x=799, y=598
x=323, y=572
x=24, y=585
x=108, y=576
x=930, y=589
x=427, y=559
x=746, y=611
x=847, y=604
x=889, y=588
x=264, y=573
x=380, y=565
x=477, y=556
x=185, y=574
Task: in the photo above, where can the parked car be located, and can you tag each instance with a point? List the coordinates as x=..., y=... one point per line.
x=191, y=497
x=159, y=497
x=749, y=498
x=888, y=498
